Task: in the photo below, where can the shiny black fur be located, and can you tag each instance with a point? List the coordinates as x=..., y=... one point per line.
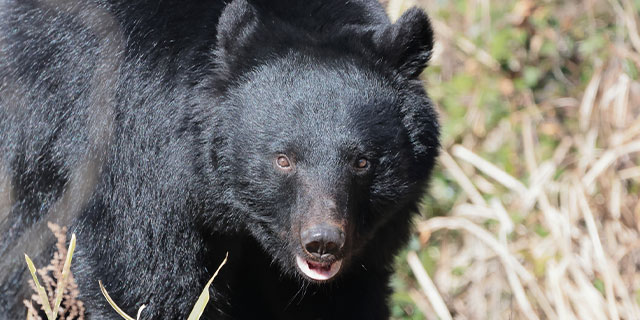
x=154, y=125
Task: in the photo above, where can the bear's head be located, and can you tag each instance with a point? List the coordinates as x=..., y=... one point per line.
x=322, y=133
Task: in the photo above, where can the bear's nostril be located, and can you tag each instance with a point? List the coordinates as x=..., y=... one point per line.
x=322, y=240
x=314, y=247
x=330, y=247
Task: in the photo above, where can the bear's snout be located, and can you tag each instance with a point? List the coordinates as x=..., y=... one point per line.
x=323, y=241
x=323, y=245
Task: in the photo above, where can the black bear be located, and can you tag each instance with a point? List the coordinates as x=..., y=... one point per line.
x=294, y=135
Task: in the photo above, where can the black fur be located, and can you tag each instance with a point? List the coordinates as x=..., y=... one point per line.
x=154, y=126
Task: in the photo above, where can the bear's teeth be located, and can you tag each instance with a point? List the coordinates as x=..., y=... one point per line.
x=318, y=271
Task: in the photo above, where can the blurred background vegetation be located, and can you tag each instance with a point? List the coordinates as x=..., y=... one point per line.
x=533, y=212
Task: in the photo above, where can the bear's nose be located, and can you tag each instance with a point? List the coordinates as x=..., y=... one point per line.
x=322, y=241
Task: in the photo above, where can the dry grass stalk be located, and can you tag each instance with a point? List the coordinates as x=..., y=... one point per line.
x=488, y=168
x=452, y=167
x=196, y=312
x=71, y=308
x=428, y=287
x=422, y=304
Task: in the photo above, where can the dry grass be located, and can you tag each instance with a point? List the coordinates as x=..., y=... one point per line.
x=64, y=303
x=539, y=215
x=52, y=275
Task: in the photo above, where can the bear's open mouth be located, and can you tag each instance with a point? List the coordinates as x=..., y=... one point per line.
x=319, y=271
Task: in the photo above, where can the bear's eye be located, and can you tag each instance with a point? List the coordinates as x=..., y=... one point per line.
x=283, y=162
x=362, y=163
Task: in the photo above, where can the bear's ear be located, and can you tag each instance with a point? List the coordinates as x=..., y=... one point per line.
x=407, y=43
x=236, y=29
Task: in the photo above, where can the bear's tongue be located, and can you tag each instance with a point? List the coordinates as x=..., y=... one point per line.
x=318, y=271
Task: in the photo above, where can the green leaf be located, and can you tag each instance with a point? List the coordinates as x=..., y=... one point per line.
x=591, y=45
x=541, y=231
x=597, y=282
x=531, y=76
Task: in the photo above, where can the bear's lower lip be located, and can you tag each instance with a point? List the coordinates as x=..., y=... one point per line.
x=316, y=270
